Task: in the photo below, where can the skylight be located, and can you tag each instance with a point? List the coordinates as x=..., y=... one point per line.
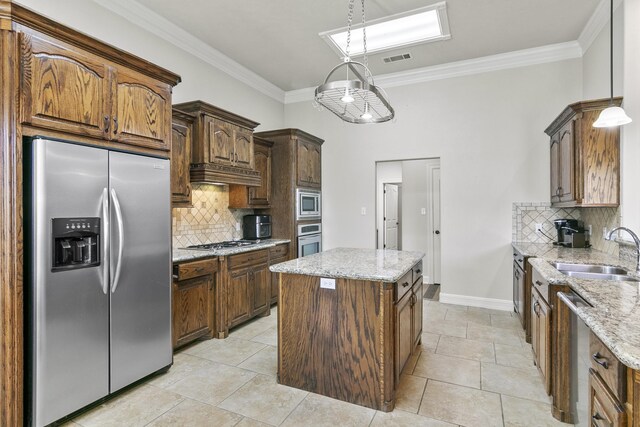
x=423, y=25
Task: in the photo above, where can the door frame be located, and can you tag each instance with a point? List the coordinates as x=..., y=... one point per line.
x=432, y=164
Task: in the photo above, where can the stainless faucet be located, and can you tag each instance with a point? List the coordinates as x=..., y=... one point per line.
x=635, y=239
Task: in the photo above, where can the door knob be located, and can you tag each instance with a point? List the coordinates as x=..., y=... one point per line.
x=437, y=231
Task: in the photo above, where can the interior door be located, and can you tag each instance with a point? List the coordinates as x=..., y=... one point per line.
x=391, y=218
x=140, y=267
x=436, y=224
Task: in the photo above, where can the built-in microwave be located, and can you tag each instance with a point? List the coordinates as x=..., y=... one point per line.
x=308, y=204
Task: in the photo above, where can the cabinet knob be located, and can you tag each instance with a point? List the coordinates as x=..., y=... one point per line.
x=596, y=417
x=602, y=361
x=405, y=284
x=538, y=282
x=418, y=271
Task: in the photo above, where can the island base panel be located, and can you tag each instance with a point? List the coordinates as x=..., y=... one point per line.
x=337, y=342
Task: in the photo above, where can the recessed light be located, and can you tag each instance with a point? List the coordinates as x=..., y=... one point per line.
x=427, y=24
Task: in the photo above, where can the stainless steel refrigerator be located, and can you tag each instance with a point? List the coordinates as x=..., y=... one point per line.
x=98, y=274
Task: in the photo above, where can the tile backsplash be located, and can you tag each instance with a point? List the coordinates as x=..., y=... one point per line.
x=525, y=216
x=209, y=220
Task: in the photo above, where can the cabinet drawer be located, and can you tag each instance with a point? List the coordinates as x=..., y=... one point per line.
x=541, y=285
x=189, y=270
x=612, y=372
x=279, y=251
x=403, y=285
x=604, y=408
x=247, y=259
x=416, y=272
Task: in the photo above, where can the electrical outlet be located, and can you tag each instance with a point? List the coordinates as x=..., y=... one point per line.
x=363, y=211
x=538, y=227
x=237, y=226
x=604, y=232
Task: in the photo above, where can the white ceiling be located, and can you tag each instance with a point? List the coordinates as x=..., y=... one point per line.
x=278, y=40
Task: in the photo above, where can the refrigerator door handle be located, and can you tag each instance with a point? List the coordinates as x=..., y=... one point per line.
x=116, y=205
x=105, y=241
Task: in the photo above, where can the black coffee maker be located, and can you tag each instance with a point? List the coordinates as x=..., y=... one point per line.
x=571, y=233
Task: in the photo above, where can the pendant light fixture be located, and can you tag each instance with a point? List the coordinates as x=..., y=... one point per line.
x=612, y=115
x=356, y=99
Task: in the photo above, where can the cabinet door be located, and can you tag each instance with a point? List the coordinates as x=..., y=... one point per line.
x=417, y=311
x=219, y=136
x=243, y=148
x=555, y=164
x=238, y=298
x=142, y=110
x=261, y=196
x=192, y=307
x=314, y=165
x=303, y=166
x=63, y=88
x=261, y=285
x=535, y=326
x=567, y=166
x=544, y=343
x=404, y=337
x=181, y=133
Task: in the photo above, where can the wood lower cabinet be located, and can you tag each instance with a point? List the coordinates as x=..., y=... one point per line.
x=67, y=89
x=408, y=320
x=585, y=161
x=277, y=254
x=247, y=281
x=243, y=197
x=604, y=407
x=541, y=336
x=193, y=301
x=181, y=136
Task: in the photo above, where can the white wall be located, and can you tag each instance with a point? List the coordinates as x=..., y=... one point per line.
x=387, y=172
x=487, y=130
x=414, y=198
x=199, y=79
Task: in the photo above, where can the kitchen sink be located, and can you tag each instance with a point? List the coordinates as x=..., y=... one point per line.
x=594, y=272
x=589, y=268
x=599, y=276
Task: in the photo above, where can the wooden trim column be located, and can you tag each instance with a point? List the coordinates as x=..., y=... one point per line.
x=11, y=309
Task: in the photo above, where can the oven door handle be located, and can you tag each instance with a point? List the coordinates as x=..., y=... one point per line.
x=568, y=300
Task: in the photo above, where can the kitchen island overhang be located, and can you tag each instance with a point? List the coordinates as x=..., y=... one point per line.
x=348, y=321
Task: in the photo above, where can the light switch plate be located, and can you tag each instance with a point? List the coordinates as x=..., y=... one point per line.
x=538, y=227
x=423, y=211
x=363, y=211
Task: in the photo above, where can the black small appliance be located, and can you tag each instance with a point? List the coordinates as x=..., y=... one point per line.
x=571, y=233
x=256, y=227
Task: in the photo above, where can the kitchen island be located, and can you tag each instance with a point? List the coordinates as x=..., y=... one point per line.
x=348, y=321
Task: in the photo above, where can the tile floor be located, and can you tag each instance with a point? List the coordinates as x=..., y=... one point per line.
x=473, y=369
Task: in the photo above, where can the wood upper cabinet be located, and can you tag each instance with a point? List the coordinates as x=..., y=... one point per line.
x=67, y=89
x=308, y=164
x=219, y=137
x=141, y=113
x=585, y=161
x=223, y=146
x=64, y=88
x=181, y=136
x=193, y=301
x=243, y=197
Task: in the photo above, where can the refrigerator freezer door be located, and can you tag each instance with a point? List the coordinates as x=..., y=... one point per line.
x=67, y=311
x=140, y=253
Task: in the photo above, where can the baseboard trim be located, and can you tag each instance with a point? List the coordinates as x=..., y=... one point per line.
x=494, y=304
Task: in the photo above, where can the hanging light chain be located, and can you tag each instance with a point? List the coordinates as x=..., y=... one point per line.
x=349, y=20
x=364, y=36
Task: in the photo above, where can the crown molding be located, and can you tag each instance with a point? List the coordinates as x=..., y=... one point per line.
x=596, y=23
x=503, y=61
x=166, y=30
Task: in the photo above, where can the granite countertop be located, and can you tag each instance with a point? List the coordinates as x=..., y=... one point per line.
x=615, y=313
x=180, y=255
x=528, y=249
x=383, y=265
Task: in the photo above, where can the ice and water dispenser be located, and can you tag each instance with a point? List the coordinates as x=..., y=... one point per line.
x=76, y=243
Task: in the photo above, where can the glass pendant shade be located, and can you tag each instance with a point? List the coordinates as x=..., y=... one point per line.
x=612, y=116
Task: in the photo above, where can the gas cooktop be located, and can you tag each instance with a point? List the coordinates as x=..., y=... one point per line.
x=223, y=245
